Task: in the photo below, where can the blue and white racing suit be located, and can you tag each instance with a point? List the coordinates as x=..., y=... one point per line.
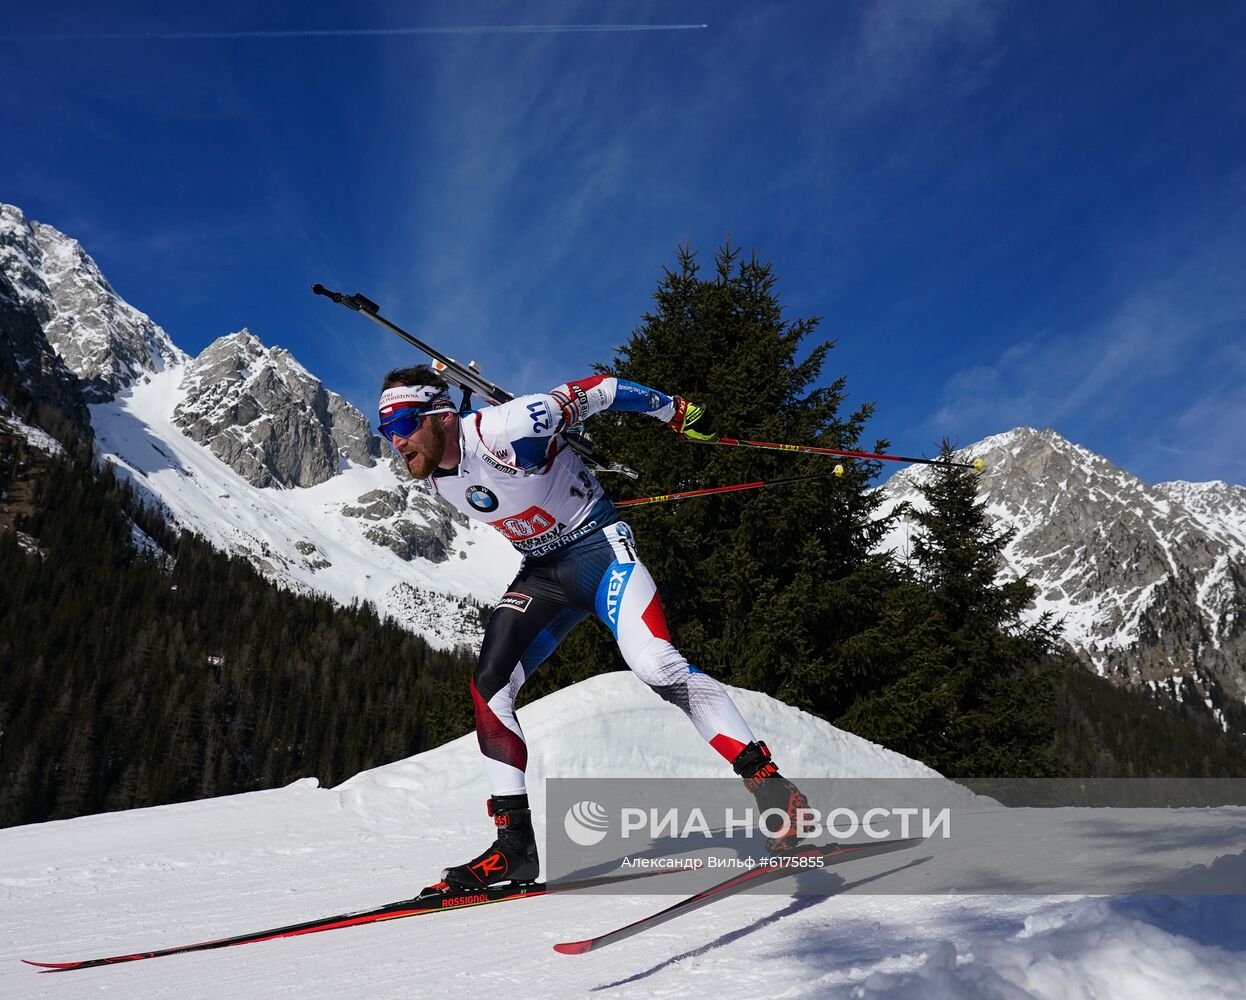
x=518, y=474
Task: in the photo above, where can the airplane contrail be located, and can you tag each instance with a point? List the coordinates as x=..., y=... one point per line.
x=494, y=29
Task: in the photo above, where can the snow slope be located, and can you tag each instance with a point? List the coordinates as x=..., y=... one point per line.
x=299, y=537
x=172, y=875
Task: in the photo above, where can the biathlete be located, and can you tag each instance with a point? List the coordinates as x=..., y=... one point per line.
x=510, y=465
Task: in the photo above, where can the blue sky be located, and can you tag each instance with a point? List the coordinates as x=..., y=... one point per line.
x=1007, y=213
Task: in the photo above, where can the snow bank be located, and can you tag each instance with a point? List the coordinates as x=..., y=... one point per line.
x=173, y=875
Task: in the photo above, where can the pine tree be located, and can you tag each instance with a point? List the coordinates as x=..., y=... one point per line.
x=966, y=684
x=110, y=700
x=755, y=585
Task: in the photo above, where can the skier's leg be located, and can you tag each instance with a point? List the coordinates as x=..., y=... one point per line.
x=523, y=630
x=525, y=627
x=629, y=605
x=627, y=602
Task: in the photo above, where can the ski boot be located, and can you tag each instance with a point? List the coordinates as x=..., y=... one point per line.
x=772, y=791
x=513, y=856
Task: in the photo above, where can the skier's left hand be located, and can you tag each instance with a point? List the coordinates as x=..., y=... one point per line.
x=692, y=421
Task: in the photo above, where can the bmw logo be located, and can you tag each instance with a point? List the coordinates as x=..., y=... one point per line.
x=482, y=498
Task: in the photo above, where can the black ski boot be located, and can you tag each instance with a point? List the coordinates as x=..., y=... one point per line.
x=772, y=791
x=513, y=856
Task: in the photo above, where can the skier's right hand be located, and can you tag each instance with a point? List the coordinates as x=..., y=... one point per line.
x=692, y=421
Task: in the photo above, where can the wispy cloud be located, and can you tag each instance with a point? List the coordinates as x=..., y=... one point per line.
x=532, y=168
x=1163, y=371
x=539, y=156
x=900, y=40
x=1046, y=379
x=1208, y=433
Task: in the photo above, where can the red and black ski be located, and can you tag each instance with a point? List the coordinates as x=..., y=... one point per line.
x=786, y=865
x=435, y=899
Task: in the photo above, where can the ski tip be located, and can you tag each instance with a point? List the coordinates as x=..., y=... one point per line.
x=49, y=965
x=573, y=947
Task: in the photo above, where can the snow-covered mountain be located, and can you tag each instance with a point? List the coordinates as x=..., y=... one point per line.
x=154, y=878
x=364, y=533
x=1149, y=580
x=268, y=418
x=244, y=446
x=104, y=340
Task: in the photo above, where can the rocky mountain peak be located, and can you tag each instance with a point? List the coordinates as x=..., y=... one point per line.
x=368, y=533
x=268, y=417
x=1042, y=456
x=21, y=262
x=1149, y=580
x=103, y=340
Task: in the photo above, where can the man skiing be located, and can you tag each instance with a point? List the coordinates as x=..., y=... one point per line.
x=510, y=465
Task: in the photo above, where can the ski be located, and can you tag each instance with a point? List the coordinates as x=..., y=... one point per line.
x=467, y=377
x=434, y=899
x=831, y=853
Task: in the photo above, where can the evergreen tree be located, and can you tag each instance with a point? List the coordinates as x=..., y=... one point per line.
x=759, y=588
x=962, y=682
x=132, y=681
